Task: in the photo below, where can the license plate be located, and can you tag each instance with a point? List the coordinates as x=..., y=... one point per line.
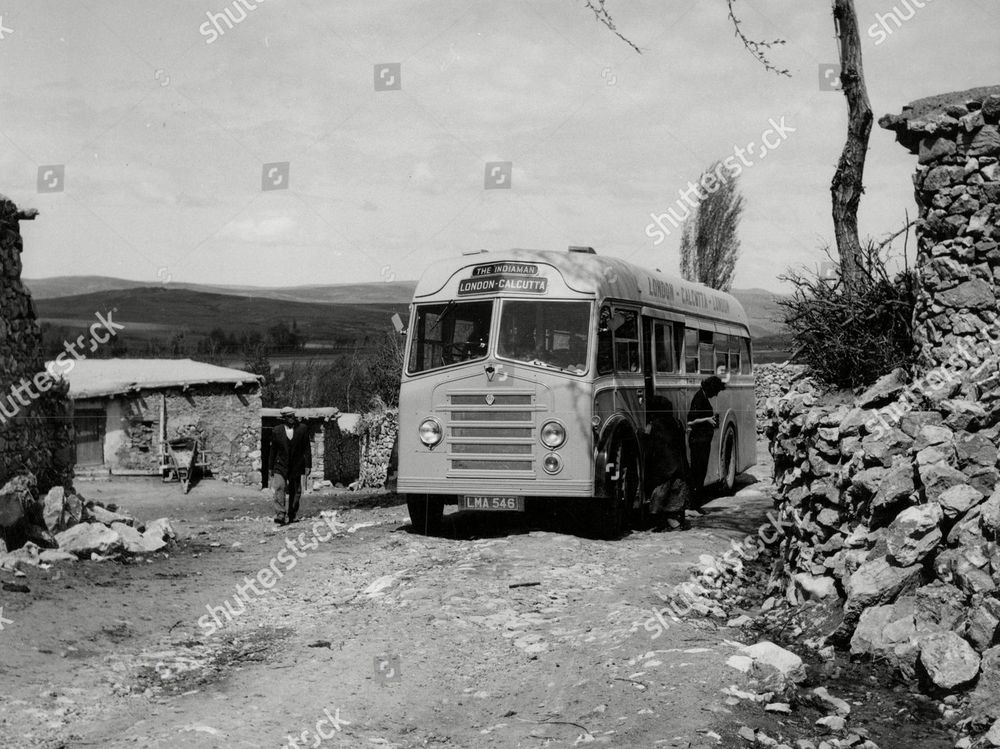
x=499, y=504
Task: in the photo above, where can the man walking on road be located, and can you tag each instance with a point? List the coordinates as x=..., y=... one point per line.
x=290, y=458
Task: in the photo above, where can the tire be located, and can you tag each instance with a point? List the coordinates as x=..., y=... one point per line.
x=426, y=511
x=623, y=489
x=728, y=465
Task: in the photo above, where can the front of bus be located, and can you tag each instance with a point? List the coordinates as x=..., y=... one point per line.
x=496, y=400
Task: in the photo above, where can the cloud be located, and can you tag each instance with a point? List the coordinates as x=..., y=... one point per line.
x=267, y=229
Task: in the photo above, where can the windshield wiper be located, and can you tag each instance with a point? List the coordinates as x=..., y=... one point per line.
x=444, y=313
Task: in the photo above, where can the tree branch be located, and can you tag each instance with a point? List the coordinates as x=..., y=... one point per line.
x=756, y=48
x=602, y=15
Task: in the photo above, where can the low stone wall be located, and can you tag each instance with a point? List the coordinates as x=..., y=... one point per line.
x=36, y=429
x=770, y=381
x=892, y=506
x=377, y=431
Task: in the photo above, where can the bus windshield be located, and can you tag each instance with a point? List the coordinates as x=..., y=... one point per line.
x=546, y=334
x=449, y=333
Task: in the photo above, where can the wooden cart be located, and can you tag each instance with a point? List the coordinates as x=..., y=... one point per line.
x=182, y=458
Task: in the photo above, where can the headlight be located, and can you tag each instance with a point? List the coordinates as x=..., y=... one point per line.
x=430, y=432
x=552, y=463
x=553, y=435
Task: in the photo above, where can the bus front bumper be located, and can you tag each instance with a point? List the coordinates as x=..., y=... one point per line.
x=495, y=486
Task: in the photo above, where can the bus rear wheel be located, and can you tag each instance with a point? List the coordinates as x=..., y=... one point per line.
x=426, y=511
x=729, y=461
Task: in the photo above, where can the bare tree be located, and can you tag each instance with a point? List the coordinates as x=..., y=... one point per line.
x=848, y=181
x=710, y=243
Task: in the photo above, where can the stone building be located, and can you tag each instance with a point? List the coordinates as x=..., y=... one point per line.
x=35, y=427
x=125, y=410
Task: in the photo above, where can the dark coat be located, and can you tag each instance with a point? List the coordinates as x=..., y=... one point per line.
x=292, y=458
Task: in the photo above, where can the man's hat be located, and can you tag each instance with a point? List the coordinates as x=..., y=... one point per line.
x=287, y=411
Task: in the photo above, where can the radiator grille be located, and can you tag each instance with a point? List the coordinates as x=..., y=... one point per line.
x=491, y=432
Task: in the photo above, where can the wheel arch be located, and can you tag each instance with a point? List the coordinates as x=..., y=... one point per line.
x=618, y=427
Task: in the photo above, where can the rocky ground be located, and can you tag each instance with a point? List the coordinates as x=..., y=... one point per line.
x=503, y=632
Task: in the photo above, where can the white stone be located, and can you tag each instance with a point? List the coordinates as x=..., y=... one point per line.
x=948, y=659
x=89, y=538
x=768, y=656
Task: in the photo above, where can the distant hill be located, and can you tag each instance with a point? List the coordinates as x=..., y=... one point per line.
x=70, y=297
x=161, y=312
x=397, y=292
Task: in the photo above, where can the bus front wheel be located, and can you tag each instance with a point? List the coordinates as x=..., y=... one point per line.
x=729, y=460
x=426, y=511
x=623, y=488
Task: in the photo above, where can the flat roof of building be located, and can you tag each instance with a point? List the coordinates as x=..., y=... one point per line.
x=92, y=378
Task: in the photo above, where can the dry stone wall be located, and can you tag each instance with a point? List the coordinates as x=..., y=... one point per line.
x=957, y=139
x=377, y=431
x=897, y=521
x=889, y=505
x=35, y=437
x=771, y=381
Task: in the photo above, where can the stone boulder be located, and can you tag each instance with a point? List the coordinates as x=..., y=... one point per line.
x=61, y=510
x=887, y=632
x=138, y=543
x=160, y=528
x=989, y=516
x=937, y=478
x=984, y=624
x=884, y=391
x=106, y=516
x=914, y=534
x=17, y=499
x=776, y=666
x=85, y=539
x=984, y=702
x=948, y=659
x=897, y=485
x=877, y=582
x=958, y=500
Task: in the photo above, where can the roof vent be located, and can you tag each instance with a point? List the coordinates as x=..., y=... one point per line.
x=475, y=252
x=582, y=250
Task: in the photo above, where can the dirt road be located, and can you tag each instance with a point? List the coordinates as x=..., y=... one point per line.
x=497, y=634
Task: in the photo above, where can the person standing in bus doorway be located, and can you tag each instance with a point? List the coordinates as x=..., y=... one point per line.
x=290, y=459
x=702, y=422
x=666, y=467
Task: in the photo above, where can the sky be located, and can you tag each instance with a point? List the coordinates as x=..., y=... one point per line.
x=140, y=130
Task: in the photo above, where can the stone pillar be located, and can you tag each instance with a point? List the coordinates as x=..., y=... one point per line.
x=957, y=181
x=35, y=414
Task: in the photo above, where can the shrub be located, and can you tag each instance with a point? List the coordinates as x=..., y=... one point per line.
x=848, y=338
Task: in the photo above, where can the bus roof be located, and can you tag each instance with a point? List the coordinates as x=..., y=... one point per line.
x=601, y=277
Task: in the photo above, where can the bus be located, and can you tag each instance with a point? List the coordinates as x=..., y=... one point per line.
x=527, y=375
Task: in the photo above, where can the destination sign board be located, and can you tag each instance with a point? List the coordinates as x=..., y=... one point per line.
x=502, y=283
x=492, y=277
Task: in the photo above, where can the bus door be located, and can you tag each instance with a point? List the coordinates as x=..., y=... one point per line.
x=649, y=389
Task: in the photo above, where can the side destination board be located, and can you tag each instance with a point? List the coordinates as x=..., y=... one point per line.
x=687, y=297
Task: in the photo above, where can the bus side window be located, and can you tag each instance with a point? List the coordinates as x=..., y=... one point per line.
x=706, y=351
x=746, y=365
x=721, y=353
x=690, y=351
x=663, y=346
x=627, y=341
